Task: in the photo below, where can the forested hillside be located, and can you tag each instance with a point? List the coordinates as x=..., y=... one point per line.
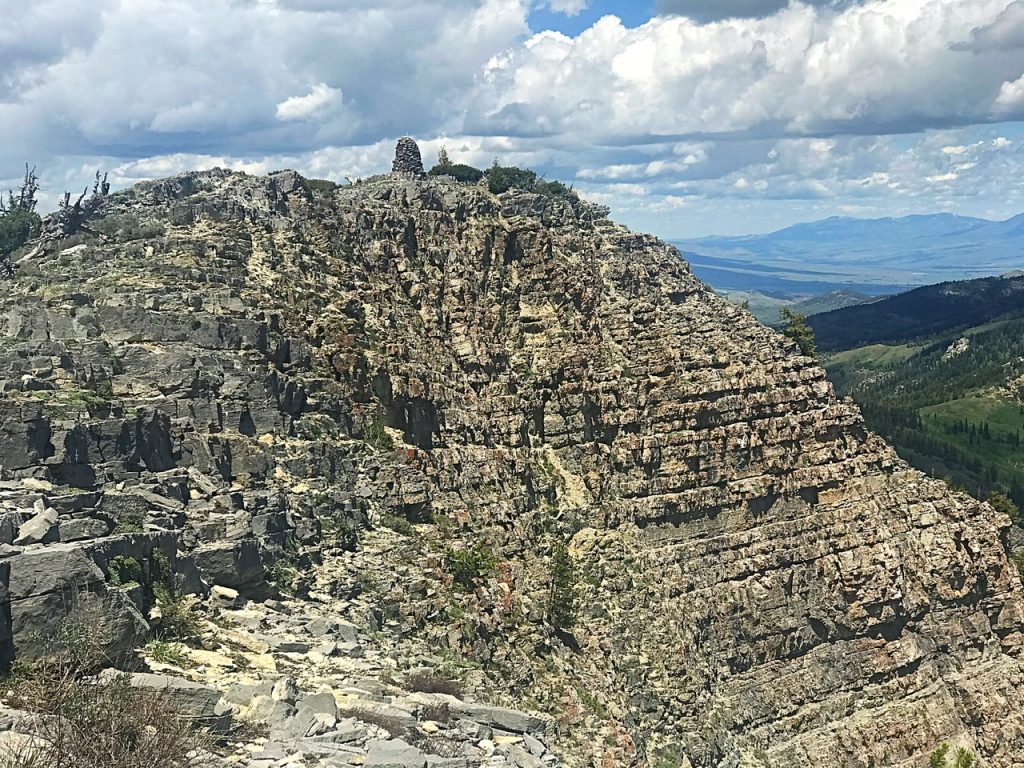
x=920, y=313
x=952, y=402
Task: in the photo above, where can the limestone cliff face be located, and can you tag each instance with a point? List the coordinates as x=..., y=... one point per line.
x=241, y=366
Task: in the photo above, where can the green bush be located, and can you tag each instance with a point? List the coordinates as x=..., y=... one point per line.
x=178, y=619
x=554, y=189
x=17, y=227
x=398, y=524
x=964, y=759
x=19, y=221
x=459, y=172
x=1004, y=504
x=124, y=571
x=503, y=178
x=125, y=228
x=470, y=566
x=799, y=331
x=375, y=433
x=322, y=187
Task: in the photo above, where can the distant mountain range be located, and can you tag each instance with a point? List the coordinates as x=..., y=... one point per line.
x=871, y=256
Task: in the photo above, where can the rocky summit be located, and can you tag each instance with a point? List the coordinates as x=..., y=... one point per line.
x=451, y=478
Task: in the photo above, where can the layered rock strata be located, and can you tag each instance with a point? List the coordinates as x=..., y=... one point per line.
x=243, y=372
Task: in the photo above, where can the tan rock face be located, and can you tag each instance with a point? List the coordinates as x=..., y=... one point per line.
x=760, y=582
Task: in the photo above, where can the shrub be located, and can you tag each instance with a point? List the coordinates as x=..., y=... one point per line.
x=89, y=724
x=964, y=759
x=470, y=566
x=178, y=619
x=431, y=681
x=395, y=726
x=110, y=725
x=459, y=172
x=124, y=571
x=19, y=221
x=166, y=653
x=17, y=227
x=799, y=331
x=398, y=524
x=554, y=189
x=1004, y=504
x=439, y=713
x=376, y=434
x=125, y=228
x=322, y=187
x=503, y=178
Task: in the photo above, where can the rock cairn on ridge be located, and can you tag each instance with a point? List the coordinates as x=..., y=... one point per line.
x=407, y=157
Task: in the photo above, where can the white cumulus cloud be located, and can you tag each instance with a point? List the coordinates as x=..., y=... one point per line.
x=317, y=100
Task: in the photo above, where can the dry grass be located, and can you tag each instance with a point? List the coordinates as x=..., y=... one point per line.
x=81, y=723
x=430, y=681
x=395, y=726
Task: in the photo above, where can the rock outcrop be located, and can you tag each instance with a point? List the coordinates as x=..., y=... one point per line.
x=240, y=375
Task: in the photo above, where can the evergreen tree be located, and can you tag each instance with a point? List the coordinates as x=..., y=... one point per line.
x=798, y=330
x=562, y=607
x=19, y=221
x=443, y=161
x=1004, y=504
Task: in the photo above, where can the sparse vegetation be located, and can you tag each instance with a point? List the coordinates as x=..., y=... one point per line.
x=562, y=602
x=130, y=521
x=19, y=221
x=398, y=524
x=167, y=653
x=126, y=228
x=395, y=726
x=322, y=187
x=940, y=758
x=375, y=433
x=470, y=566
x=797, y=329
x=432, y=681
x=1002, y=503
x=90, y=724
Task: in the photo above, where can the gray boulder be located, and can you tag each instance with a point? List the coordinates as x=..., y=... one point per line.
x=200, y=703
x=40, y=529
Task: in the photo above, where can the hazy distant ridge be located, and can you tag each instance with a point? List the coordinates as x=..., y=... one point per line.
x=913, y=250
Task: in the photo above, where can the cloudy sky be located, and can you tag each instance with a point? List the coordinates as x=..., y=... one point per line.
x=688, y=117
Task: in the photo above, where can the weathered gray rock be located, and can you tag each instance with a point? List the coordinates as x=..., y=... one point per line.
x=503, y=718
x=40, y=529
x=201, y=703
x=393, y=753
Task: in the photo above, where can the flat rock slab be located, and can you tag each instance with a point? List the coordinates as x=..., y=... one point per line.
x=502, y=717
x=393, y=753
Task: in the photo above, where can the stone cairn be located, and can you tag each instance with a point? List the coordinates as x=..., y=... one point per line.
x=407, y=158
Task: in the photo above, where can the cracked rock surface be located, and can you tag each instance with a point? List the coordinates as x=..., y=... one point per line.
x=359, y=422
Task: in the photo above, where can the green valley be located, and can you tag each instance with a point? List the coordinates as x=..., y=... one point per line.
x=953, y=402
